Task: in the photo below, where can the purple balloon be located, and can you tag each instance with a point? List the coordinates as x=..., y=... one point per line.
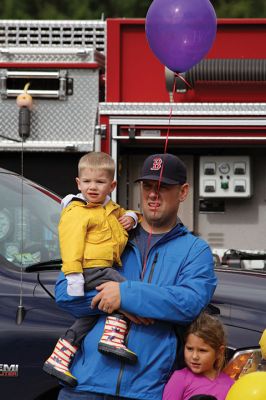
x=180, y=32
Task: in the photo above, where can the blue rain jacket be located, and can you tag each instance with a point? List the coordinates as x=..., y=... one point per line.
x=179, y=282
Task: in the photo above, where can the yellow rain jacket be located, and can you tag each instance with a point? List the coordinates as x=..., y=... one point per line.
x=90, y=235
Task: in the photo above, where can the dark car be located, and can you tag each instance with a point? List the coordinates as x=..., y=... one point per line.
x=240, y=298
x=30, y=321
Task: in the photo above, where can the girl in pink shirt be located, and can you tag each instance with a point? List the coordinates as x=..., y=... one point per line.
x=204, y=356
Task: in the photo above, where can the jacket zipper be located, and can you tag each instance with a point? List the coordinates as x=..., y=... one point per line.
x=119, y=379
x=153, y=267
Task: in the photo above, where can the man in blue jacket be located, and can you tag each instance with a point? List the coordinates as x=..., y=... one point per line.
x=170, y=279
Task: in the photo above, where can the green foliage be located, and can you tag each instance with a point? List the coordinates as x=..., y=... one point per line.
x=96, y=9
x=240, y=8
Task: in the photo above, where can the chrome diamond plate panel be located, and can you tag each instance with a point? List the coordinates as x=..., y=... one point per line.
x=57, y=124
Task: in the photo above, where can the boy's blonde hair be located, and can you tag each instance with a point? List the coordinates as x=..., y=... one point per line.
x=211, y=331
x=97, y=160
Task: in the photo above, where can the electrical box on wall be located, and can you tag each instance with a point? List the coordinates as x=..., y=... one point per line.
x=225, y=176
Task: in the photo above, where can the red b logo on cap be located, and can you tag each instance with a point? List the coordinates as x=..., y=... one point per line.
x=157, y=163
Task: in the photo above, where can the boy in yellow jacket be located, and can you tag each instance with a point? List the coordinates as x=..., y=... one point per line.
x=92, y=235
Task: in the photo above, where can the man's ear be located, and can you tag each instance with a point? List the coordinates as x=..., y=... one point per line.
x=113, y=186
x=183, y=192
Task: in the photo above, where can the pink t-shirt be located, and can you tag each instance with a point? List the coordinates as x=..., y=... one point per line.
x=183, y=384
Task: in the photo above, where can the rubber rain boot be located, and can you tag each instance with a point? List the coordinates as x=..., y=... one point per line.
x=59, y=361
x=113, y=339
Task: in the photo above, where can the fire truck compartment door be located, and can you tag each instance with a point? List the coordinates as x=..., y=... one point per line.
x=43, y=84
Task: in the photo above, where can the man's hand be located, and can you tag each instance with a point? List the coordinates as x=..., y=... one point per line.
x=136, y=319
x=108, y=299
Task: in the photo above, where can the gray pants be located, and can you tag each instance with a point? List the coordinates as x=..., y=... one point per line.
x=93, y=277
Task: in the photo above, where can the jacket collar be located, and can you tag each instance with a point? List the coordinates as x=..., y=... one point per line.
x=108, y=203
x=178, y=230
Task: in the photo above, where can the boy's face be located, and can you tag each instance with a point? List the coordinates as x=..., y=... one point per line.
x=95, y=184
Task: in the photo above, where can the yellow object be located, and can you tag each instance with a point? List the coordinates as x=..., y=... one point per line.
x=249, y=387
x=90, y=235
x=262, y=344
x=26, y=87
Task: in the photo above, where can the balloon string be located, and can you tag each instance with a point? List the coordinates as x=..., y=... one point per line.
x=176, y=76
x=179, y=76
x=159, y=183
x=151, y=227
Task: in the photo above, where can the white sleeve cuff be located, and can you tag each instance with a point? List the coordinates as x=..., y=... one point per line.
x=75, y=284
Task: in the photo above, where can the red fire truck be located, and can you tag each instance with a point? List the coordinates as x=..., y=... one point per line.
x=216, y=122
x=97, y=85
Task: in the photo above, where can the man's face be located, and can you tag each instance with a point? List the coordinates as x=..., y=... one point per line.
x=160, y=206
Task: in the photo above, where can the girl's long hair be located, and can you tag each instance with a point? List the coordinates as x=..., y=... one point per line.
x=211, y=331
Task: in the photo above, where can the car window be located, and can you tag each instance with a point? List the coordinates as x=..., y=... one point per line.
x=29, y=216
x=244, y=260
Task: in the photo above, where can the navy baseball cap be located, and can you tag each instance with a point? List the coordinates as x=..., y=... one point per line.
x=174, y=170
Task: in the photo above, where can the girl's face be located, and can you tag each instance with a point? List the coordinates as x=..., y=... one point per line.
x=200, y=356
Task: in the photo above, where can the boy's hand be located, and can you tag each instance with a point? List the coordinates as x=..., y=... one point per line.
x=127, y=222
